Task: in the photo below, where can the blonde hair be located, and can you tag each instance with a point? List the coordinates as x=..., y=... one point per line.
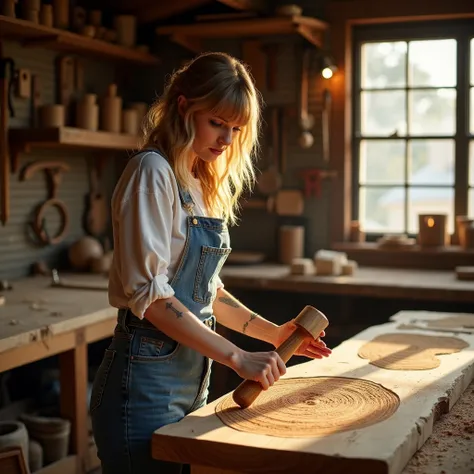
x=220, y=84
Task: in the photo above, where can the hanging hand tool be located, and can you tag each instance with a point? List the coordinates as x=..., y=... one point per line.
x=54, y=170
x=6, y=100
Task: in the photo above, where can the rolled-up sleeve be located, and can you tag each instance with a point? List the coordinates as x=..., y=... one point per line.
x=219, y=283
x=144, y=239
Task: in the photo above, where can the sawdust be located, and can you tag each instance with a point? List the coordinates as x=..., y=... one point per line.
x=449, y=450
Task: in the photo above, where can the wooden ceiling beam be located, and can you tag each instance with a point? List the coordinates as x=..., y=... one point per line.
x=256, y=5
x=149, y=10
x=161, y=10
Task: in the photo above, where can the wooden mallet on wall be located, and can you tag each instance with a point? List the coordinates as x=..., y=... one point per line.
x=309, y=323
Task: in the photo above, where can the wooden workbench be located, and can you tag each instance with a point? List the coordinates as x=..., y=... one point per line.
x=432, y=285
x=38, y=321
x=211, y=447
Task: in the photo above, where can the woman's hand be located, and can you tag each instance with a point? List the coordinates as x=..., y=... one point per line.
x=312, y=348
x=263, y=367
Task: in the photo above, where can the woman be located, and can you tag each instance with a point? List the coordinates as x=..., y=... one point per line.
x=170, y=211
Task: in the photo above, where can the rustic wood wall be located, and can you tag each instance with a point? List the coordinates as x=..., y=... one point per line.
x=17, y=249
x=17, y=252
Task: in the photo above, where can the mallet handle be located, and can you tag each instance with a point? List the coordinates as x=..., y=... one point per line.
x=246, y=393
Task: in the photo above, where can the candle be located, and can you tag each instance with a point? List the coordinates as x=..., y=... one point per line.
x=432, y=230
x=355, y=233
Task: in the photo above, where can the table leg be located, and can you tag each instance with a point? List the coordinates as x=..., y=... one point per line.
x=73, y=377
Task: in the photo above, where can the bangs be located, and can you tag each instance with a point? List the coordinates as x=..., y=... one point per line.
x=235, y=105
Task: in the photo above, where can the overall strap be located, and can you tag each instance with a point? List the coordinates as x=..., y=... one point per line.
x=186, y=200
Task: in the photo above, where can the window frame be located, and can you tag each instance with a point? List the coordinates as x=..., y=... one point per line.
x=460, y=30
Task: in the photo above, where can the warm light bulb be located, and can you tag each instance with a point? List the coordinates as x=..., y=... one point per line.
x=430, y=222
x=327, y=73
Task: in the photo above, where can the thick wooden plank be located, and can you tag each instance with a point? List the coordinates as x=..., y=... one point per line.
x=32, y=34
x=202, y=439
x=367, y=281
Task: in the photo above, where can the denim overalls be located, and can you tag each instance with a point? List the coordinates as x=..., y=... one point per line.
x=146, y=379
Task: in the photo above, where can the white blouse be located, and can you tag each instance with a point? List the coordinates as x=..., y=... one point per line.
x=149, y=227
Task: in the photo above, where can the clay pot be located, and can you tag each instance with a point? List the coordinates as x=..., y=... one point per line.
x=102, y=264
x=52, y=116
x=36, y=456
x=52, y=433
x=14, y=434
x=83, y=251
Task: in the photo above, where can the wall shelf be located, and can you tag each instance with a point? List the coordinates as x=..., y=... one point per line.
x=34, y=35
x=190, y=35
x=437, y=258
x=22, y=140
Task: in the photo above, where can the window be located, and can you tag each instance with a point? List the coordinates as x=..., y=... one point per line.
x=413, y=127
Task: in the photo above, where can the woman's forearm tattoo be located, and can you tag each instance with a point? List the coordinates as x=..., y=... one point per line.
x=178, y=313
x=252, y=317
x=229, y=301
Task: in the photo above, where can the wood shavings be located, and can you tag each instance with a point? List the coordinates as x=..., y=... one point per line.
x=313, y=406
x=400, y=351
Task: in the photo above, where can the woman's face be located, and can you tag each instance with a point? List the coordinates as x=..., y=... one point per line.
x=213, y=135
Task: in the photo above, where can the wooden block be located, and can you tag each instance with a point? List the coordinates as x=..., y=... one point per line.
x=328, y=266
x=349, y=268
x=289, y=202
x=329, y=262
x=302, y=266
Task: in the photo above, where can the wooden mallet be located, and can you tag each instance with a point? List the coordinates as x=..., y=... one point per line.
x=309, y=323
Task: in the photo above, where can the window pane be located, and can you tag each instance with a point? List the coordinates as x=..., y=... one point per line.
x=382, y=162
x=470, y=207
x=382, y=209
x=472, y=62
x=431, y=162
x=471, y=163
x=383, y=65
x=432, y=112
x=432, y=63
x=430, y=200
x=383, y=113
x=471, y=107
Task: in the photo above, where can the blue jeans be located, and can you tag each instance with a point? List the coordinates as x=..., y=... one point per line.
x=136, y=391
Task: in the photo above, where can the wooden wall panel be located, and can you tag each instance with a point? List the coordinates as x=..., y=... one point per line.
x=17, y=250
